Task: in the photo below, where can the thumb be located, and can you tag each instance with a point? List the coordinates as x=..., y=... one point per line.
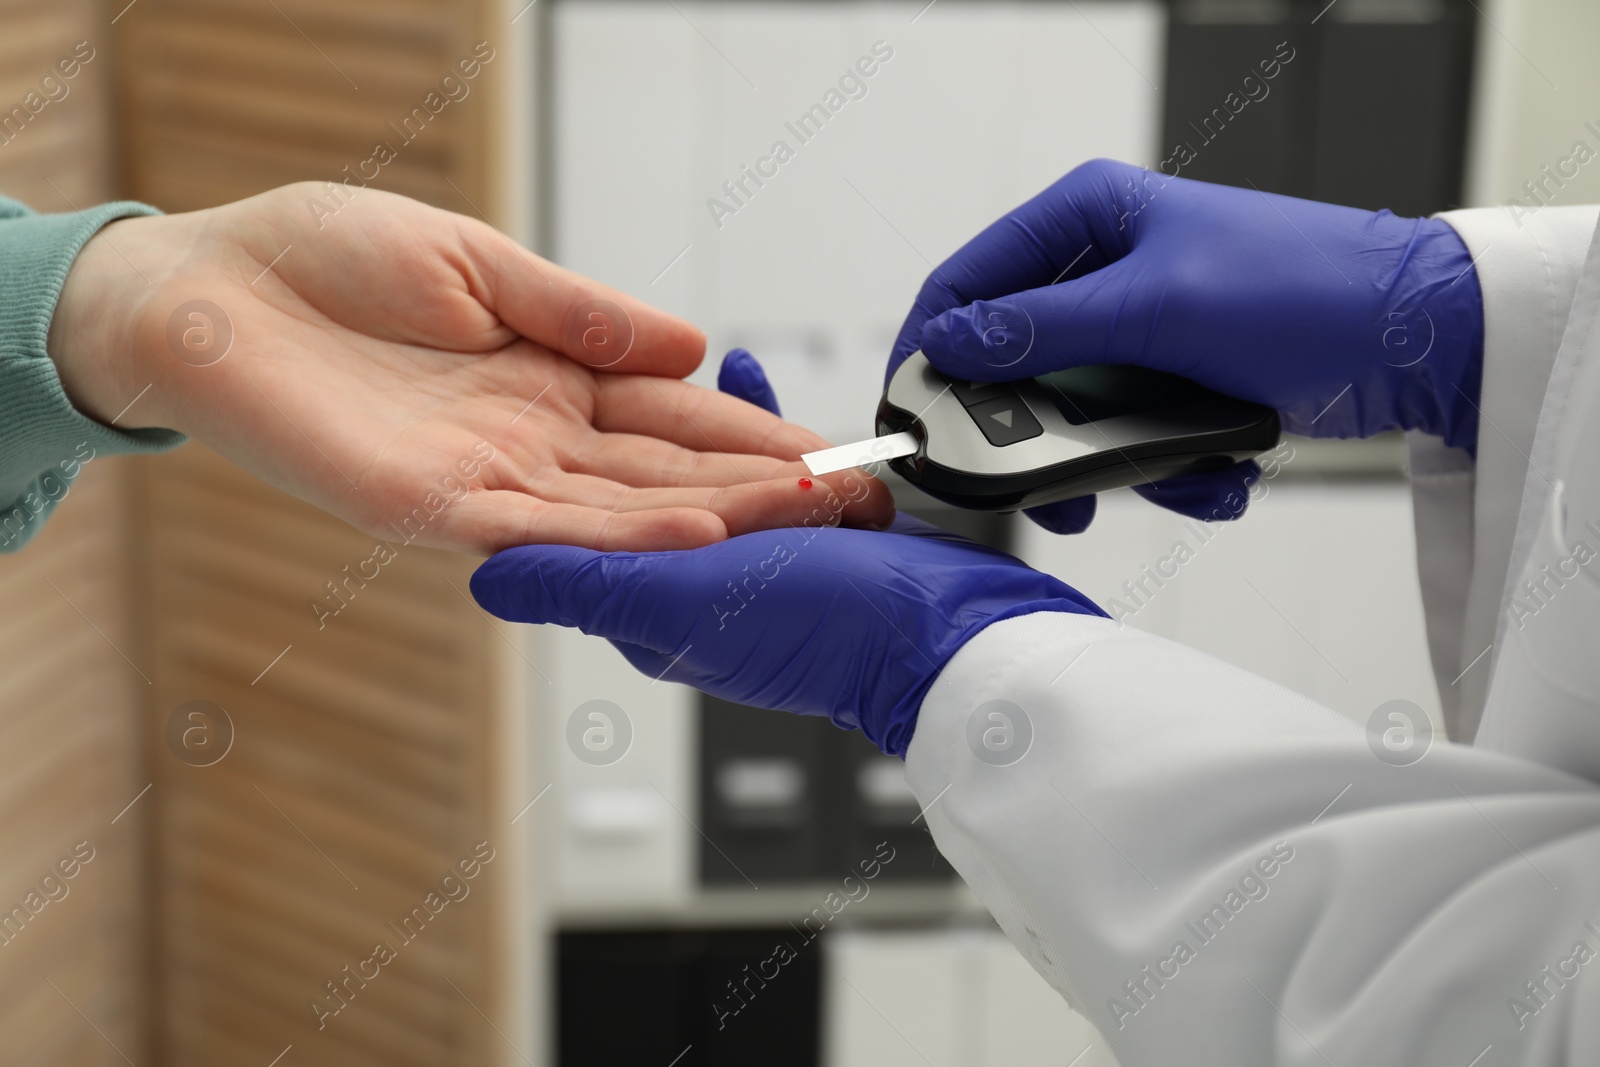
x=597, y=592
x=742, y=375
x=1065, y=516
x=1105, y=316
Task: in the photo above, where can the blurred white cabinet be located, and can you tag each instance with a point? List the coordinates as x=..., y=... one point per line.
x=945, y=998
x=622, y=798
x=980, y=106
x=1314, y=587
x=653, y=107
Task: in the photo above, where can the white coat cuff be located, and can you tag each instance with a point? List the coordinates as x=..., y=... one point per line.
x=1528, y=264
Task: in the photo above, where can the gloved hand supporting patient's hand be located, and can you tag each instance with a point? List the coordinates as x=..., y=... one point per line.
x=851, y=624
x=1348, y=322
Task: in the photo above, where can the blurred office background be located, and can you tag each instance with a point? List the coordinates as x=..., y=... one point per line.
x=265, y=800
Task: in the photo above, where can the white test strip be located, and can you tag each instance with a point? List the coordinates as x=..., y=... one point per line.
x=862, y=453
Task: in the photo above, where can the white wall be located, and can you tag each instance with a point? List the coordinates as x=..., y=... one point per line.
x=981, y=106
x=1537, y=86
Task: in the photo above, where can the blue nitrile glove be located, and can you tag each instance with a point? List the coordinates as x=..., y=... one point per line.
x=1347, y=322
x=741, y=375
x=851, y=624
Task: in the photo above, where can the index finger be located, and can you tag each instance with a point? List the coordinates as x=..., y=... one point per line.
x=1072, y=228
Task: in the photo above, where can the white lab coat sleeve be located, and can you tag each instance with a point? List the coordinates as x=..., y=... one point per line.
x=1544, y=700
x=1217, y=870
x=1528, y=264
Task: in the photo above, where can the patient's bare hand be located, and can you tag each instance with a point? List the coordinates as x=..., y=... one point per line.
x=369, y=360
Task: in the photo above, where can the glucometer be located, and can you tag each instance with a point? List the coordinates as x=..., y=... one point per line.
x=1001, y=446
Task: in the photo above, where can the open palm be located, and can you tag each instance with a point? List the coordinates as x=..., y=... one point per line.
x=418, y=374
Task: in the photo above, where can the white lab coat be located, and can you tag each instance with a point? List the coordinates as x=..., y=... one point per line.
x=1216, y=870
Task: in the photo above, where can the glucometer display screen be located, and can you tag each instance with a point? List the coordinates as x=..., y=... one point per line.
x=1105, y=391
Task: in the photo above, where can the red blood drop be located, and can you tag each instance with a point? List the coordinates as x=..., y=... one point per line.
x=805, y=483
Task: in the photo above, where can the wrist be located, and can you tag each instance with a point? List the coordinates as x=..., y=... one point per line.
x=1446, y=308
x=893, y=728
x=101, y=350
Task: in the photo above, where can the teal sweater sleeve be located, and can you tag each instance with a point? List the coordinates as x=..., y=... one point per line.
x=44, y=441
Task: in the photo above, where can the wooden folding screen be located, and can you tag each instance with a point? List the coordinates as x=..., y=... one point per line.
x=73, y=672
x=266, y=799
x=361, y=790
x=367, y=766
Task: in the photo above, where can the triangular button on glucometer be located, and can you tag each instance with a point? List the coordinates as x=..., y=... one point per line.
x=1005, y=420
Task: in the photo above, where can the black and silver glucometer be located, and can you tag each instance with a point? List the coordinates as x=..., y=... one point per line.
x=1000, y=446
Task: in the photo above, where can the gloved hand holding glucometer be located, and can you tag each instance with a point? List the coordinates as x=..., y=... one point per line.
x=1153, y=326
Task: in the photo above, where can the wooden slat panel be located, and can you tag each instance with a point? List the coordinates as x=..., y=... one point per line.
x=364, y=764
x=234, y=98
x=70, y=739
x=69, y=753
x=62, y=156
x=360, y=773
